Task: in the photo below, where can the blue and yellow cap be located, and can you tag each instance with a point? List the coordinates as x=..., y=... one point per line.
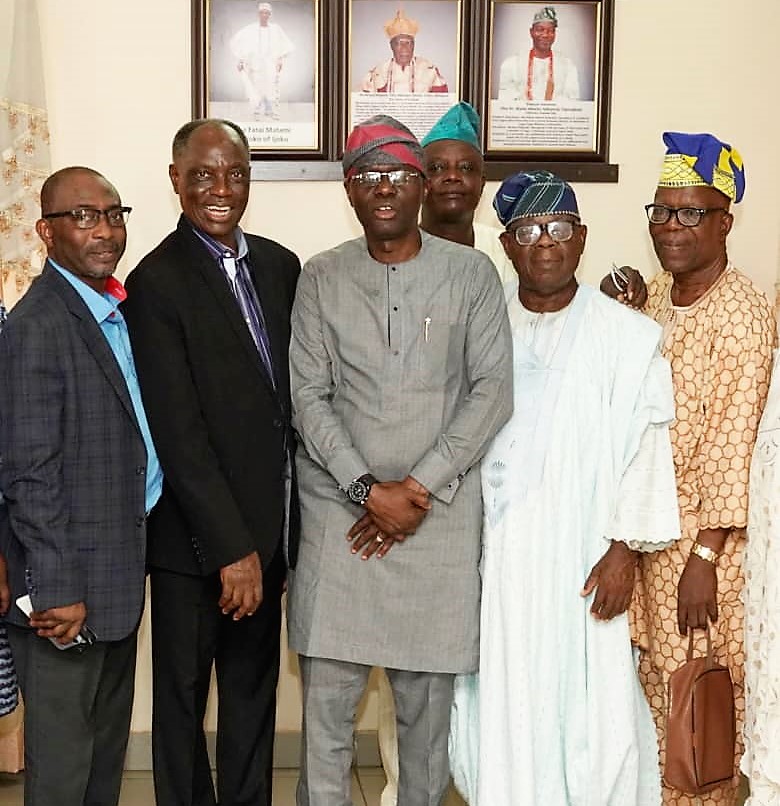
x=701, y=160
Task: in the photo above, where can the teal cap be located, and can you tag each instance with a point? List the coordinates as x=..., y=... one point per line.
x=460, y=122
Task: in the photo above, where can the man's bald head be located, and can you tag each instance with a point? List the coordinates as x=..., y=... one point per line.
x=91, y=249
x=52, y=188
x=182, y=137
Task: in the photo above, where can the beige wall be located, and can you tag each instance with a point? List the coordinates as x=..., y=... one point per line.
x=118, y=79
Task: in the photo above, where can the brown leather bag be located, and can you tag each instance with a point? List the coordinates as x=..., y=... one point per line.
x=700, y=728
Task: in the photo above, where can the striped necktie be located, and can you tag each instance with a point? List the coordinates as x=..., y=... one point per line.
x=251, y=310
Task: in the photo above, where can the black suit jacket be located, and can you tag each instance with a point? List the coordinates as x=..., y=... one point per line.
x=73, y=463
x=221, y=430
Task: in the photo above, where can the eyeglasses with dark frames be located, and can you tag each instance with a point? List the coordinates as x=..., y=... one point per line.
x=559, y=231
x=686, y=216
x=89, y=217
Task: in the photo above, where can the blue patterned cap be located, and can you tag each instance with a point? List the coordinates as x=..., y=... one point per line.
x=460, y=122
x=534, y=193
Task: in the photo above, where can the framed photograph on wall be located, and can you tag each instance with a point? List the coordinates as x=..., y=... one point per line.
x=260, y=64
x=297, y=75
x=403, y=59
x=547, y=80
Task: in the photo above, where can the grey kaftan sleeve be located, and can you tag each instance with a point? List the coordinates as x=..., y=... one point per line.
x=313, y=385
x=488, y=404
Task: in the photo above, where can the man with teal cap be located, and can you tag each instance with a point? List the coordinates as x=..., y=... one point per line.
x=577, y=483
x=456, y=177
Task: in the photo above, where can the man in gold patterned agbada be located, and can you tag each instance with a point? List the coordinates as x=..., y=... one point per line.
x=719, y=331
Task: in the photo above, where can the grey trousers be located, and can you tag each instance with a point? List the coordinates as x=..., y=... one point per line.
x=331, y=693
x=77, y=708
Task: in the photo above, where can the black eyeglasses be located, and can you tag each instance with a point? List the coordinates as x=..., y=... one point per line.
x=687, y=216
x=529, y=234
x=89, y=217
x=400, y=176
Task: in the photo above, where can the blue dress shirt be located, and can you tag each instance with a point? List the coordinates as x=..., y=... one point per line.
x=104, y=307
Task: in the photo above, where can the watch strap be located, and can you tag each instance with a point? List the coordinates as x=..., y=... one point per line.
x=705, y=553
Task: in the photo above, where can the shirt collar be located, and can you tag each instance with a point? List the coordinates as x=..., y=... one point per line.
x=218, y=249
x=101, y=306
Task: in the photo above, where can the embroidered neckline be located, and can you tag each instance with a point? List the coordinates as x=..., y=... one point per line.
x=529, y=82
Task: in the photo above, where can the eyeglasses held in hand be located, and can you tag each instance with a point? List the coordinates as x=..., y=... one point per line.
x=529, y=234
x=400, y=176
x=88, y=217
x=687, y=216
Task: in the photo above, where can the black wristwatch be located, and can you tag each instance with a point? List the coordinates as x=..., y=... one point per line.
x=359, y=489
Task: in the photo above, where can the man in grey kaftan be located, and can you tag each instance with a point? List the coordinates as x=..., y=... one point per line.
x=401, y=368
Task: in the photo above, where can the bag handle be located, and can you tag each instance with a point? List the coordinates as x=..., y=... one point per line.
x=709, y=645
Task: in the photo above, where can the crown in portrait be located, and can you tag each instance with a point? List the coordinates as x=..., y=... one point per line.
x=401, y=24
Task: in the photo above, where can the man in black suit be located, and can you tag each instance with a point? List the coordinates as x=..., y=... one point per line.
x=79, y=473
x=208, y=312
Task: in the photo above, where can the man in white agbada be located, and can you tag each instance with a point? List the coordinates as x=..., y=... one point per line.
x=761, y=594
x=541, y=75
x=577, y=482
x=261, y=49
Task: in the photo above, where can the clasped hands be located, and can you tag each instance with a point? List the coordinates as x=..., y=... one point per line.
x=394, y=510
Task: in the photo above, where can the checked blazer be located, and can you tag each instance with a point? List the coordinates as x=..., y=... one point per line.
x=73, y=463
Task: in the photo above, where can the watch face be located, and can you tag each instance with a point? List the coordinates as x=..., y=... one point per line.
x=358, y=491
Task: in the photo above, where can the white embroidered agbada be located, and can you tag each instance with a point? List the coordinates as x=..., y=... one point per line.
x=761, y=594
x=586, y=457
x=261, y=48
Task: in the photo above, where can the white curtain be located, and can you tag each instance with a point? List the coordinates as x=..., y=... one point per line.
x=24, y=164
x=24, y=146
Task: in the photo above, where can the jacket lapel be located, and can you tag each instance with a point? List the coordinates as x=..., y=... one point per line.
x=226, y=301
x=92, y=335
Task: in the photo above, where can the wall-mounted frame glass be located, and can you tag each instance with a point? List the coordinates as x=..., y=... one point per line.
x=261, y=65
x=297, y=75
x=545, y=93
x=403, y=60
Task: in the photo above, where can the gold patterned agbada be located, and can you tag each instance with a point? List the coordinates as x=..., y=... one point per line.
x=720, y=349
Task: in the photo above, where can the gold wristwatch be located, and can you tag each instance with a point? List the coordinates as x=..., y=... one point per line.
x=705, y=553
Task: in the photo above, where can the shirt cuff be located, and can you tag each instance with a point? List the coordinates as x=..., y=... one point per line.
x=438, y=476
x=346, y=466
x=645, y=546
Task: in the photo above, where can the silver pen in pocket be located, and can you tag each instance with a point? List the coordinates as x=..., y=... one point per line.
x=426, y=328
